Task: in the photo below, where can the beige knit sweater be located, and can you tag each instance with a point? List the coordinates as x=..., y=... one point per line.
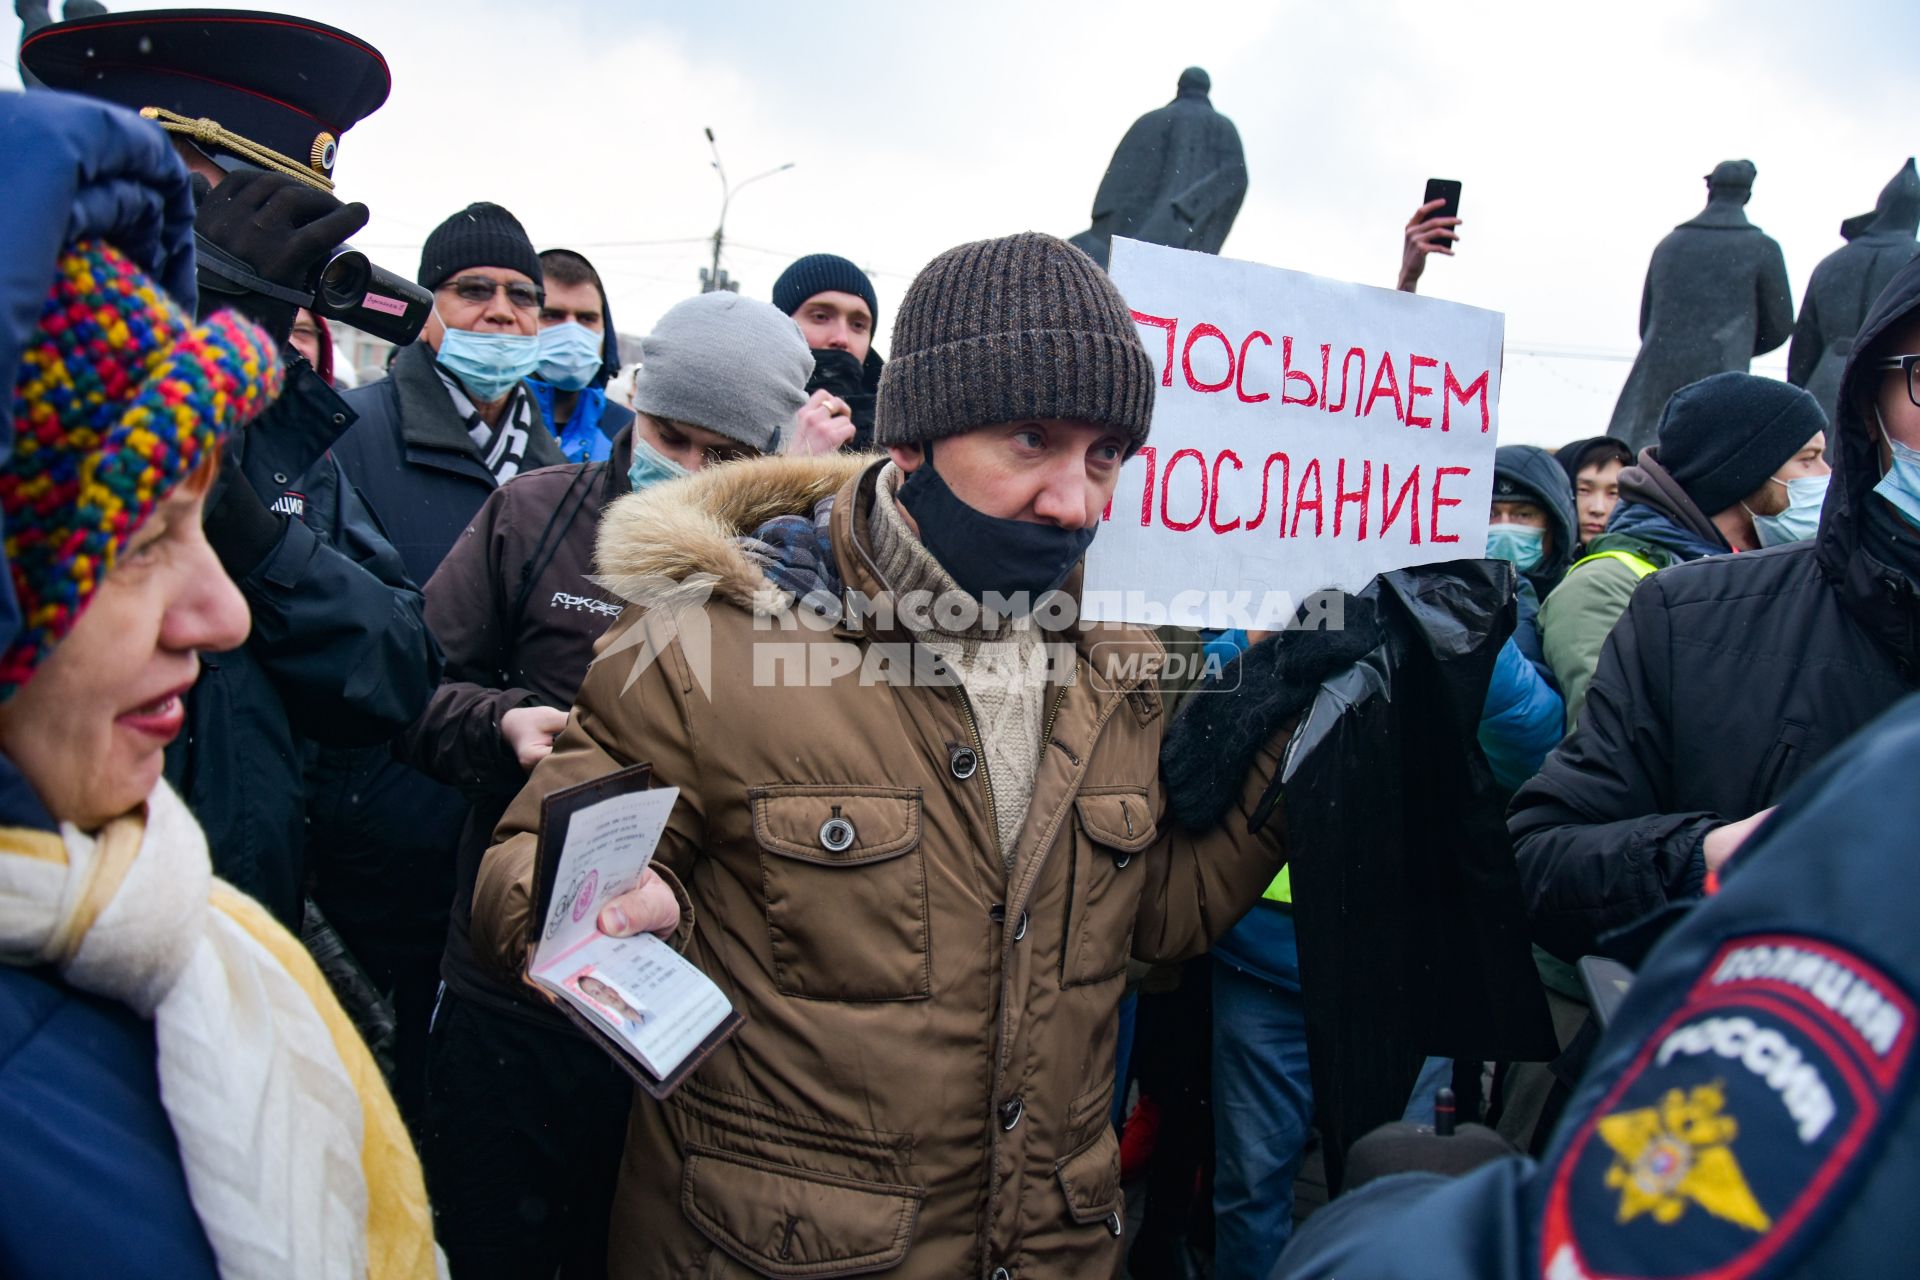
x=1003, y=672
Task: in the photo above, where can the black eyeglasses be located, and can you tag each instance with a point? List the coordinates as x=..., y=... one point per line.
x=1909, y=365
x=523, y=296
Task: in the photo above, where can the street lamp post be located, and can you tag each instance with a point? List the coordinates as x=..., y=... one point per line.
x=715, y=278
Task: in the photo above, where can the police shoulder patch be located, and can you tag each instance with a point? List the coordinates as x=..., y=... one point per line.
x=1738, y=1124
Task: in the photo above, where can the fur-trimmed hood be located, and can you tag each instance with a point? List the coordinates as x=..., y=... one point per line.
x=695, y=525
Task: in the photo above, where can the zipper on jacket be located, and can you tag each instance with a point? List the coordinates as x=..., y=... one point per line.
x=1046, y=730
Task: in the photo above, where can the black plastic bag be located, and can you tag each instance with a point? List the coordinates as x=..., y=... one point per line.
x=1411, y=925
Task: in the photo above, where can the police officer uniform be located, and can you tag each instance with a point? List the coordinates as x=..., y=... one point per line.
x=1749, y=1112
x=339, y=653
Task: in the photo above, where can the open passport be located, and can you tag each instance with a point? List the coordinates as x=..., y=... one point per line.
x=636, y=997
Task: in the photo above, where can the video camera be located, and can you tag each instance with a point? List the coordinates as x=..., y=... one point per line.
x=347, y=286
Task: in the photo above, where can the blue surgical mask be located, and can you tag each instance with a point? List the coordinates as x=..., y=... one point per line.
x=1801, y=519
x=1523, y=544
x=488, y=364
x=650, y=466
x=571, y=355
x=1901, y=484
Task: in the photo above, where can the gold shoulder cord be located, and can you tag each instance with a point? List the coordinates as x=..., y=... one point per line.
x=211, y=133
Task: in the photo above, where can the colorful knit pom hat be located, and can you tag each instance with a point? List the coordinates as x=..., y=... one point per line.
x=120, y=396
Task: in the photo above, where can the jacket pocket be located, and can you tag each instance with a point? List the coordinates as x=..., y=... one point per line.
x=845, y=884
x=1784, y=763
x=1090, y=1181
x=1113, y=826
x=782, y=1221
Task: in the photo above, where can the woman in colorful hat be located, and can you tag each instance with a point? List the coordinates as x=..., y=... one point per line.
x=179, y=1092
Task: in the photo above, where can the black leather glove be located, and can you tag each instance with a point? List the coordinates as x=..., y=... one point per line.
x=282, y=229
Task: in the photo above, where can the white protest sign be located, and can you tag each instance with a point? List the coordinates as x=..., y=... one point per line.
x=1307, y=433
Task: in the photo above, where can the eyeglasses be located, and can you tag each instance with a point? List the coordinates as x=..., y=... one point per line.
x=1909, y=365
x=523, y=296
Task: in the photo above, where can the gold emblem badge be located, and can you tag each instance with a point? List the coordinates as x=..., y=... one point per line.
x=323, y=152
x=1676, y=1153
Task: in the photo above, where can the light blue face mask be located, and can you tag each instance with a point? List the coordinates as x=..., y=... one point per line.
x=1801, y=519
x=650, y=466
x=570, y=355
x=1901, y=484
x=488, y=364
x=1523, y=544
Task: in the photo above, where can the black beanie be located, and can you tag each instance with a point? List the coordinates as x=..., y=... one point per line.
x=822, y=273
x=1722, y=437
x=480, y=235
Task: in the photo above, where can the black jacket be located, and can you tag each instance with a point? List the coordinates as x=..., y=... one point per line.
x=1724, y=682
x=520, y=616
x=411, y=456
x=338, y=654
x=382, y=834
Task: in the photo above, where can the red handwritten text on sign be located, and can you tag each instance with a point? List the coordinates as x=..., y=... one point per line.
x=1464, y=390
x=1307, y=433
x=1347, y=501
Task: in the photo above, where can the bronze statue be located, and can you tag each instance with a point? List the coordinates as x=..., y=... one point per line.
x=33, y=15
x=1716, y=296
x=1177, y=178
x=1847, y=281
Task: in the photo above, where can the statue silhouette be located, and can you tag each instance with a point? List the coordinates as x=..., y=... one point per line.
x=1716, y=296
x=1847, y=281
x=1177, y=178
x=33, y=15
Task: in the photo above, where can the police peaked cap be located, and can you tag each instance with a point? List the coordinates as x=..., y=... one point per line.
x=229, y=80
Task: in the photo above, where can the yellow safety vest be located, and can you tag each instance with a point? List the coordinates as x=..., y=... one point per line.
x=1641, y=567
x=1281, y=890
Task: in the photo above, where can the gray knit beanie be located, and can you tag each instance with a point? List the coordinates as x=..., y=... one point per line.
x=1005, y=330
x=726, y=363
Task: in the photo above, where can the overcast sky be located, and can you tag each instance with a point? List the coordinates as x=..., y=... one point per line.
x=1580, y=132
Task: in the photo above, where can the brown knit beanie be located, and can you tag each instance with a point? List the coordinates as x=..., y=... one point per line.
x=1011, y=329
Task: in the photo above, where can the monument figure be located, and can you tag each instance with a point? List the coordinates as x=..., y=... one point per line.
x=1177, y=178
x=1716, y=296
x=1847, y=281
x=33, y=15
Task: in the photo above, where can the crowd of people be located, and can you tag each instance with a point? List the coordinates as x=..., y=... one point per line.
x=288, y=671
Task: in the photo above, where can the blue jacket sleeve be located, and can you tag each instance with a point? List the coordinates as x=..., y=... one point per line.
x=1522, y=719
x=339, y=627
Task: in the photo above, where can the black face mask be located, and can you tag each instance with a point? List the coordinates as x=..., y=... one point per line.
x=838, y=372
x=986, y=553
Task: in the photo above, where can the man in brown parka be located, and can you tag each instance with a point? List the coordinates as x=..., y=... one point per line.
x=915, y=842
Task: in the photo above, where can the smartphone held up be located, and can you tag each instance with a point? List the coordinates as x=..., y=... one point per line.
x=1434, y=228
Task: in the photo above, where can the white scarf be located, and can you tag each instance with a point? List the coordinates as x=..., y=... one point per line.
x=264, y=1109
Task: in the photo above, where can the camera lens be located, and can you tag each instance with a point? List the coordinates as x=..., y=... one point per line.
x=343, y=281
